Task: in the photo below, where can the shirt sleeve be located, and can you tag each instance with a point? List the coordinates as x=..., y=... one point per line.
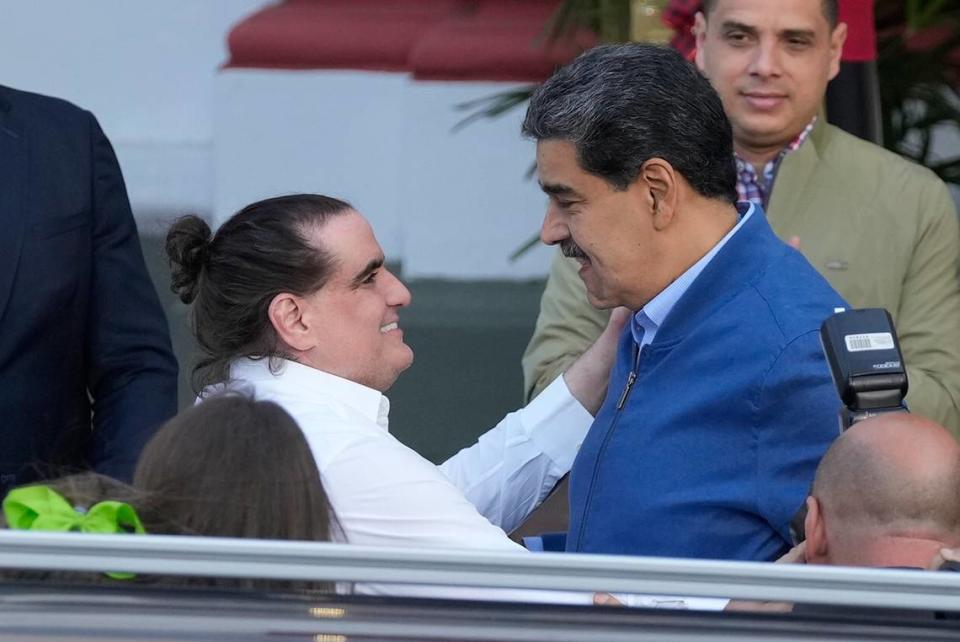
x=384, y=494
x=132, y=373
x=795, y=422
x=514, y=465
x=928, y=318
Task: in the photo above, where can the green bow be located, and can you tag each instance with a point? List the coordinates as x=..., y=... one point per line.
x=40, y=508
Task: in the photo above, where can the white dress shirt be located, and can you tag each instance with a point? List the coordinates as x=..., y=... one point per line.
x=385, y=494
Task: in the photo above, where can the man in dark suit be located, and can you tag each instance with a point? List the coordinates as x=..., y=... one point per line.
x=86, y=369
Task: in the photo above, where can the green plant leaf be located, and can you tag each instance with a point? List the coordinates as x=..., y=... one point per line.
x=526, y=247
x=492, y=106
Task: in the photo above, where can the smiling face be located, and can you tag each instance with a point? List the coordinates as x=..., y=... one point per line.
x=770, y=61
x=610, y=232
x=354, y=318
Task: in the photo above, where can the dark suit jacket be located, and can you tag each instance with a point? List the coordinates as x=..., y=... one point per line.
x=86, y=369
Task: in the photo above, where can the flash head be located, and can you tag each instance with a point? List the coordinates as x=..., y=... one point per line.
x=863, y=351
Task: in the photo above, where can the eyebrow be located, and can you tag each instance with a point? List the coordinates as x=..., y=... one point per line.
x=555, y=189
x=733, y=25
x=371, y=267
x=808, y=34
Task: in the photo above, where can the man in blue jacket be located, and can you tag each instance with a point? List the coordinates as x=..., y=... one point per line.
x=86, y=369
x=720, y=403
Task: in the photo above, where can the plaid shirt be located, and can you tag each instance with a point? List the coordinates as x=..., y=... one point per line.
x=756, y=189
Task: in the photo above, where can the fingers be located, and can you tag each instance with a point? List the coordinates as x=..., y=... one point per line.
x=587, y=377
x=605, y=599
x=796, y=555
x=944, y=556
x=618, y=319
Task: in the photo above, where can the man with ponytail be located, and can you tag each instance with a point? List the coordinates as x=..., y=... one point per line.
x=292, y=303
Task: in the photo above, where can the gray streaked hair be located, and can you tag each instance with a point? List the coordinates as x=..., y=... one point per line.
x=621, y=105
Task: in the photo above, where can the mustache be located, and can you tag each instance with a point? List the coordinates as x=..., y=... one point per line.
x=571, y=250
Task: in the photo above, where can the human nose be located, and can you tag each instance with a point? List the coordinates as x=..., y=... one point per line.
x=397, y=293
x=553, y=230
x=766, y=60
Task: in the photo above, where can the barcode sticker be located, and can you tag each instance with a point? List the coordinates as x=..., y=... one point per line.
x=870, y=341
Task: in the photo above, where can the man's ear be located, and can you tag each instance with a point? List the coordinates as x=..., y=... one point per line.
x=816, y=531
x=286, y=314
x=660, y=183
x=837, y=37
x=699, y=33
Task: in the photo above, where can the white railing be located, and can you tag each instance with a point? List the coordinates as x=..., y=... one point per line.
x=270, y=559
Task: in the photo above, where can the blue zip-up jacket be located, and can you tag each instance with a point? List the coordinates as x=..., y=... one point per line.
x=713, y=448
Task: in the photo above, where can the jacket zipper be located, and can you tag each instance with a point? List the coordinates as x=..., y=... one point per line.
x=626, y=389
x=631, y=378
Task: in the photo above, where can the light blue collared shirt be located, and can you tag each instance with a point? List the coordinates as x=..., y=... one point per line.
x=648, y=319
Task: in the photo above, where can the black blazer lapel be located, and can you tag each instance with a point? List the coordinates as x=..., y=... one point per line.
x=13, y=205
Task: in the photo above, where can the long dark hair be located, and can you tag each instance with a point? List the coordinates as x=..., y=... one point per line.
x=235, y=467
x=231, y=277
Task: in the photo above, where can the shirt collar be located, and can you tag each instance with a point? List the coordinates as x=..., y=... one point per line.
x=650, y=317
x=370, y=403
x=794, y=145
x=755, y=188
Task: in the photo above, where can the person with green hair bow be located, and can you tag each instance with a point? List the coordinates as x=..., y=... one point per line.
x=83, y=503
x=41, y=508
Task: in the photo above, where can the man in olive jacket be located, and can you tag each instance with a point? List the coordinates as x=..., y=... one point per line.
x=883, y=231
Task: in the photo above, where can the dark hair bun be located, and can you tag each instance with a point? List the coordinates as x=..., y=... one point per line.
x=188, y=242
